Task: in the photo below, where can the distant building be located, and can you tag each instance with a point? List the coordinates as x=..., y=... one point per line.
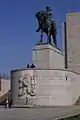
x=4, y=87
x=71, y=41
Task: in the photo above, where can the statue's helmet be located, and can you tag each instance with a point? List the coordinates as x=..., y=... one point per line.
x=48, y=8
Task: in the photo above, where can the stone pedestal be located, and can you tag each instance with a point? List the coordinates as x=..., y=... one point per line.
x=46, y=56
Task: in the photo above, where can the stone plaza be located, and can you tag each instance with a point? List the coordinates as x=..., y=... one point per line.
x=38, y=113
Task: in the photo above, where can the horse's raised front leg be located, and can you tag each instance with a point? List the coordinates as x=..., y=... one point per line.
x=41, y=37
x=38, y=29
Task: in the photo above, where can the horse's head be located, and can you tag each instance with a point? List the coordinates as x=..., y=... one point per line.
x=40, y=15
x=37, y=15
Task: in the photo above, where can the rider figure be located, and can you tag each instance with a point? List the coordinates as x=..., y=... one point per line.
x=50, y=17
x=49, y=13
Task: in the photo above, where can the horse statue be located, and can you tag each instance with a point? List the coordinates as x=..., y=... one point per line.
x=47, y=25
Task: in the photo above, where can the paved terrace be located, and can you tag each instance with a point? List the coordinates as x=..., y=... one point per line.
x=37, y=113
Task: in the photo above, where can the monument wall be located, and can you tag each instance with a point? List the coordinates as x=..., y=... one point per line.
x=50, y=87
x=75, y=85
x=73, y=40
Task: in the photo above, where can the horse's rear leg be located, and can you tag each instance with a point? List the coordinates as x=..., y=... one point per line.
x=54, y=40
x=50, y=39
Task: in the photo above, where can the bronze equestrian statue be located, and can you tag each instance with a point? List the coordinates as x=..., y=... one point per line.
x=47, y=25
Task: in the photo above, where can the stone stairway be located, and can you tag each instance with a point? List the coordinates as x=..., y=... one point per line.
x=3, y=98
x=78, y=101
